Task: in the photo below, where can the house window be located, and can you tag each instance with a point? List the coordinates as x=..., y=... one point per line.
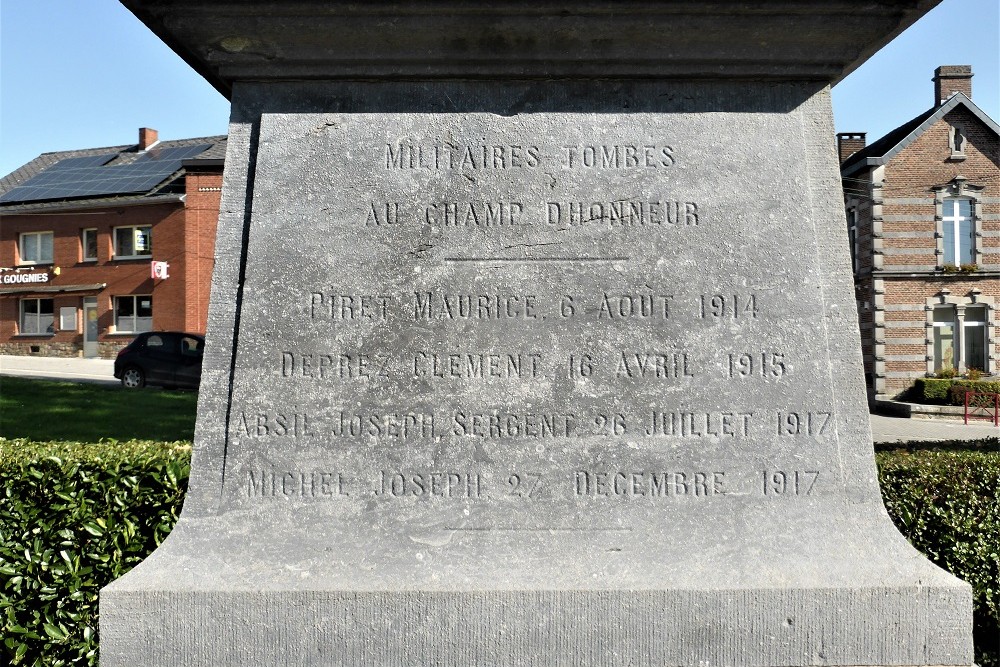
x=37, y=316
x=852, y=236
x=945, y=351
x=957, y=229
x=974, y=337
x=88, y=245
x=36, y=248
x=957, y=141
x=133, y=242
x=133, y=314
x=970, y=351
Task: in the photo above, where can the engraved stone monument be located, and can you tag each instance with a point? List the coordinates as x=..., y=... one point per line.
x=532, y=342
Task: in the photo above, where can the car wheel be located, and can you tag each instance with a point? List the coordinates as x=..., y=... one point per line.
x=133, y=378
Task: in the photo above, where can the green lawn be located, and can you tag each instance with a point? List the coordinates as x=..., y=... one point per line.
x=44, y=410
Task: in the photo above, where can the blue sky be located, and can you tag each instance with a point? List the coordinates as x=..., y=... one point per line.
x=86, y=73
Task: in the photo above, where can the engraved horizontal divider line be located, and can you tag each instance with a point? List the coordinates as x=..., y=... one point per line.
x=536, y=259
x=541, y=529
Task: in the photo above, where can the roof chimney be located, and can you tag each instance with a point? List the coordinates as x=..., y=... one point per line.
x=951, y=79
x=849, y=143
x=147, y=137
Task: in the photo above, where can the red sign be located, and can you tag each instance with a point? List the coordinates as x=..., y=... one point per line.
x=159, y=270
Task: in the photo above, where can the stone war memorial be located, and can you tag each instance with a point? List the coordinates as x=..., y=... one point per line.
x=532, y=342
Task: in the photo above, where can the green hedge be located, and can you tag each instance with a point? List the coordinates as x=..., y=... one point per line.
x=947, y=503
x=74, y=517
x=951, y=391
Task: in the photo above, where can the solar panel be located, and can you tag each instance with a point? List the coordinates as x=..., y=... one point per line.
x=178, y=153
x=84, y=161
x=81, y=178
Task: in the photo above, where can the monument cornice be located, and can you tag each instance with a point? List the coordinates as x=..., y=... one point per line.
x=235, y=40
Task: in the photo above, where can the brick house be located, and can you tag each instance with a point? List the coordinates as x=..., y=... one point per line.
x=99, y=244
x=923, y=217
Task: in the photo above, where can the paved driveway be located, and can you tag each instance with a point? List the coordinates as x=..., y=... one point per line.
x=898, y=429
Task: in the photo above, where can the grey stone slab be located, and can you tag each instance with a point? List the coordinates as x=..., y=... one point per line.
x=547, y=372
x=511, y=39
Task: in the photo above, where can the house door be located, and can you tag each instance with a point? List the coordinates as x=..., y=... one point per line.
x=90, y=327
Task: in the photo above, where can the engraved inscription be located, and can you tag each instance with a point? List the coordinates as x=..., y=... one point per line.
x=789, y=482
x=635, y=306
x=621, y=213
x=447, y=156
x=632, y=484
x=618, y=156
x=277, y=424
x=264, y=483
x=501, y=425
x=455, y=306
x=349, y=307
x=477, y=366
x=757, y=364
x=393, y=425
x=803, y=423
x=659, y=365
x=473, y=214
x=425, y=484
x=456, y=318
x=355, y=366
x=727, y=306
x=671, y=423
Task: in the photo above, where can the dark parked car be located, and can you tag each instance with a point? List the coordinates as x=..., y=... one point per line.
x=164, y=358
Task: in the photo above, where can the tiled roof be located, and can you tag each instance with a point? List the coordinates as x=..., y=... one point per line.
x=886, y=143
x=885, y=148
x=125, y=155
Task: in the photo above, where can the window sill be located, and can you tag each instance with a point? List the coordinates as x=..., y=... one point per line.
x=39, y=265
x=34, y=335
x=131, y=258
x=123, y=334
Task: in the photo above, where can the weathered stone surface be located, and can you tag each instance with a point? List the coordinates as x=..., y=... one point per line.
x=538, y=373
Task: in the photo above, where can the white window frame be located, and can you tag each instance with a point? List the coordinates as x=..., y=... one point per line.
x=956, y=361
x=145, y=255
x=958, y=306
x=36, y=329
x=38, y=242
x=958, y=188
x=967, y=324
x=955, y=220
x=84, y=257
x=130, y=324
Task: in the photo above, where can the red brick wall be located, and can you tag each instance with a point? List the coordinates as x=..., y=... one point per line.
x=204, y=192
x=926, y=163
x=183, y=234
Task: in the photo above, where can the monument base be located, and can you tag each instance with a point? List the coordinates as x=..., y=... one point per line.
x=849, y=603
x=533, y=342
x=637, y=628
